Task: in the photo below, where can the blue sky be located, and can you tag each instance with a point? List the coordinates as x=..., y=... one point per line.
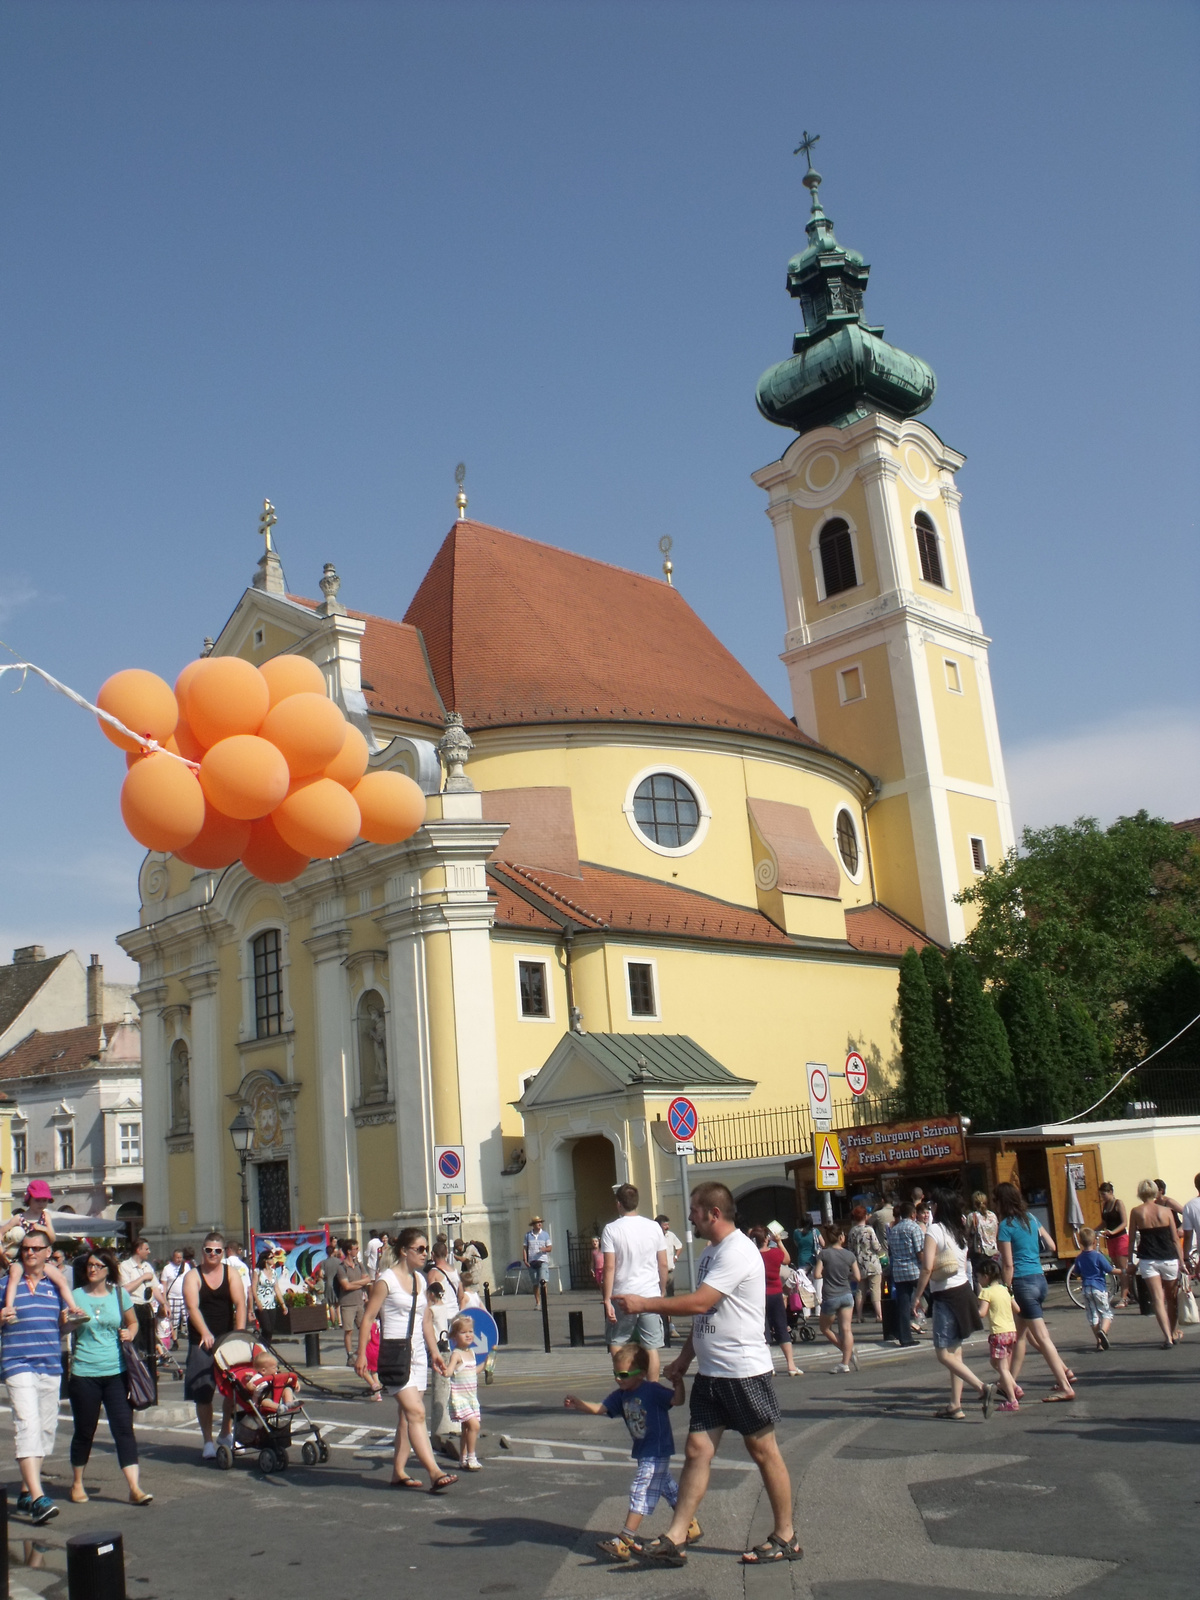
x=324, y=251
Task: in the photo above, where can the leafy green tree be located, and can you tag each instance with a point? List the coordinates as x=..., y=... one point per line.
x=1168, y=1006
x=923, y=1073
x=1033, y=1040
x=979, y=1069
x=1085, y=1075
x=1101, y=912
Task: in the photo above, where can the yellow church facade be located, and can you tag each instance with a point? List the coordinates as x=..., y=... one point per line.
x=638, y=877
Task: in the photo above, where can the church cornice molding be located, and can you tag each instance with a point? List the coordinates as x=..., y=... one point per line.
x=886, y=617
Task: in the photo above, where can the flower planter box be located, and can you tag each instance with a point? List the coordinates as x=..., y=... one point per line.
x=307, y=1319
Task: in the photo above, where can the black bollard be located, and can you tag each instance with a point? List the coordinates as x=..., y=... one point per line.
x=487, y=1297
x=3, y=1544
x=666, y=1322
x=95, y=1567
x=546, y=1317
x=312, y=1349
x=575, y=1323
x=501, y=1326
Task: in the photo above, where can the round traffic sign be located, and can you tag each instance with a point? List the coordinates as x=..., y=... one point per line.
x=487, y=1334
x=681, y=1119
x=856, y=1073
x=449, y=1164
x=818, y=1086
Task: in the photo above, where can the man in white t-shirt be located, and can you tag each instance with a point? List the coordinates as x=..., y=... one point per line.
x=735, y=1387
x=1191, y=1223
x=374, y=1251
x=635, y=1262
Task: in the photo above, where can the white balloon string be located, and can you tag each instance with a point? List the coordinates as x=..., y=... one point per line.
x=150, y=746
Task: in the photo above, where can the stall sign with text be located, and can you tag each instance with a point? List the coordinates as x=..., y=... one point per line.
x=925, y=1142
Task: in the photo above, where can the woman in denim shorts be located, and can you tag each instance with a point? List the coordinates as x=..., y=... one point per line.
x=1020, y=1239
x=955, y=1310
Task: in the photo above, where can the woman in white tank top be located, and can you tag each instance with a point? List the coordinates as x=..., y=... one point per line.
x=391, y=1300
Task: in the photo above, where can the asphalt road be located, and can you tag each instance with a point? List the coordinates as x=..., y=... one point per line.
x=1096, y=1499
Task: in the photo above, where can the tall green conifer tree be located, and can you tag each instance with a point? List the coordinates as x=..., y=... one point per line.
x=979, y=1068
x=1032, y=1028
x=923, y=1071
x=934, y=963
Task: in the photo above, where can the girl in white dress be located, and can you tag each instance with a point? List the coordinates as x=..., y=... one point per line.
x=391, y=1301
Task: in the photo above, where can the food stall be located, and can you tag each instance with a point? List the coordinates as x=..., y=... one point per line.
x=942, y=1152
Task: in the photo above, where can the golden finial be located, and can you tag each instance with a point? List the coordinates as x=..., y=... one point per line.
x=664, y=544
x=266, y=522
x=460, y=499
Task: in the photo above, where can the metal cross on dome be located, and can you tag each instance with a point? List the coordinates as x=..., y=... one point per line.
x=806, y=144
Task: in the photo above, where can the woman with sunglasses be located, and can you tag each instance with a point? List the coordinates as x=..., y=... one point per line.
x=98, y=1370
x=391, y=1301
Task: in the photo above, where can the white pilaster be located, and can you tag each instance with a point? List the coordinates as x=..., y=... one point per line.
x=328, y=945
x=210, y=1115
x=156, y=1112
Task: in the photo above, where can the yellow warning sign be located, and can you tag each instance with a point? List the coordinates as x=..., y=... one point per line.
x=827, y=1156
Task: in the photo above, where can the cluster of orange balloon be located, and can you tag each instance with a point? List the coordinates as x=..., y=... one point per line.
x=272, y=774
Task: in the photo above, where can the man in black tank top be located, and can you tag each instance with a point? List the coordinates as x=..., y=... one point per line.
x=216, y=1305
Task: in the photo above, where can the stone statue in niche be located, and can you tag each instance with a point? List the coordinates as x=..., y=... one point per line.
x=181, y=1097
x=372, y=1047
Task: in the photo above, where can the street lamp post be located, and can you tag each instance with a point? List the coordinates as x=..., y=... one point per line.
x=241, y=1131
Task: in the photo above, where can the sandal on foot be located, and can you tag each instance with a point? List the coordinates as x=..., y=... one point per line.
x=406, y=1483
x=952, y=1414
x=1056, y=1397
x=773, y=1549
x=1101, y=1339
x=988, y=1399
x=695, y=1532
x=443, y=1482
x=616, y=1547
x=665, y=1552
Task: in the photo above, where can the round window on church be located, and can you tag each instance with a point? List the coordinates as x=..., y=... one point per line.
x=666, y=810
x=847, y=842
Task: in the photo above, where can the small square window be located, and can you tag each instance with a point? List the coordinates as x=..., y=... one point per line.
x=850, y=684
x=978, y=854
x=953, y=676
x=642, y=1002
x=535, y=998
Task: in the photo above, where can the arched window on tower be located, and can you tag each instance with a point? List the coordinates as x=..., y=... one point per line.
x=928, y=550
x=837, y=558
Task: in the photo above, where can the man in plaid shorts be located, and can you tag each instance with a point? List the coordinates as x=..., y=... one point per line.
x=736, y=1384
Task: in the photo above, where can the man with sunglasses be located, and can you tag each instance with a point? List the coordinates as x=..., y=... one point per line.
x=31, y=1364
x=216, y=1305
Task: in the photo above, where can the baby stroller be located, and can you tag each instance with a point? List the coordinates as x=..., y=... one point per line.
x=255, y=1429
x=798, y=1290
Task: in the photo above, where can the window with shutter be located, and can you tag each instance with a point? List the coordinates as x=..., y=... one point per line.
x=837, y=558
x=928, y=550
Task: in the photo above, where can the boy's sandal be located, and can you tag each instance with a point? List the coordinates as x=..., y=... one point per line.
x=695, y=1532
x=443, y=1482
x=952, y=1414
x=773, y=1549
x=473, y=1466
x=618, y=1548
x=665, y=1552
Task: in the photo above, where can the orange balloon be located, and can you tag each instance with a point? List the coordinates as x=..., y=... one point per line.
x=162, y=803
x=244, y=776
x=348, y=766
x=319, y=818
x=219, y=843
x=182, y=681
x=225, y=696
x=391, y=805
x=139, y=754
x=309, y=729
x=270, y=858
x=288, y=675
x=143, y=702
x=187, y=742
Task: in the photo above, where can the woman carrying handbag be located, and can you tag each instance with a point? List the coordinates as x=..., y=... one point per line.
x=407, y=1350
x=98, y=1375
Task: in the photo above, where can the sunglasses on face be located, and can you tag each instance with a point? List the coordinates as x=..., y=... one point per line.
x=33, y=1249
x=210, y=1252
x=419, y=1249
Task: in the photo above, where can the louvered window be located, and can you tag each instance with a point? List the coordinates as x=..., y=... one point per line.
x=927, y=549
x=837, y=558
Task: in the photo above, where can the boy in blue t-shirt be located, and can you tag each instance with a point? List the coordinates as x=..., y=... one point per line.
x=646, y=1408
x=1093, y=1270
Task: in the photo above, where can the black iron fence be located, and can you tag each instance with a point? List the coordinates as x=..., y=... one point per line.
x=579, y=1261
x=783, y=1130
x=1171, y=1091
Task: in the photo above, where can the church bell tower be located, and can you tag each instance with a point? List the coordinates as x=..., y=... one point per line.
x=887, y=659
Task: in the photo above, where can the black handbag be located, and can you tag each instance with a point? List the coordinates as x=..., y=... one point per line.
x=395, y=1355
x=141, y=1389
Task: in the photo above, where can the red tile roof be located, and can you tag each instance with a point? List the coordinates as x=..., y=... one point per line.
x=874, y=927
x=65, y=1050
x=518, y=631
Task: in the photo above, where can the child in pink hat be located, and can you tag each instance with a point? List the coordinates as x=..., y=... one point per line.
x=35, y=1215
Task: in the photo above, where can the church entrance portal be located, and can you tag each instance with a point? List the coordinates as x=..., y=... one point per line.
x=594, y=1170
